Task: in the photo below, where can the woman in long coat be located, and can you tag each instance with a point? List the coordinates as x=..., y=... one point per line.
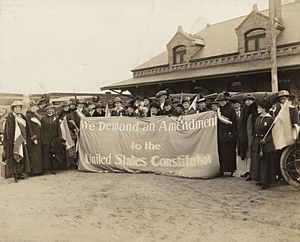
x=227, y=135
x=49, y=133
x=245, y=131
x=15, y=142
x=34, y=143
x=263, y=151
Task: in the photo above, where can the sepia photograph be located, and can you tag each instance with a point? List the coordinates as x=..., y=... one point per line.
x=149, y=120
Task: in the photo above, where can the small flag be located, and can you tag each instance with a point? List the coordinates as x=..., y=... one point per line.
x=282, y=131
x=65, y=133
x=18, y=143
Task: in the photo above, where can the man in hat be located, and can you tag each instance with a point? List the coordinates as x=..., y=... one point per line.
x=245, y=132
x=227, y=135
x=118, y=110
x=201, y=105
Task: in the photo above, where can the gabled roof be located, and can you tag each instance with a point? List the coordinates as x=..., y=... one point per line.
x=228, y=43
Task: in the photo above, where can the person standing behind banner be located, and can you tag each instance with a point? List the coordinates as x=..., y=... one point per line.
x=15, y=142
x=263, y=155
x=118, y=110
x=168, y=109
x=153, y=109
x=245, y=132
x=80, y=113
x=283, y=96
x=227, y=135
x=214, y=105
x=162, y=96
x=49, y=132
x=187, y=110
x=99, y=110
x=66, y=115
x=201, y=105
x=34, y=143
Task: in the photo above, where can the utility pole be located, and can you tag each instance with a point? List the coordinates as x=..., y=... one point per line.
x=274, y=77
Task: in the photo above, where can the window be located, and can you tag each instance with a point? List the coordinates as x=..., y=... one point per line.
x=255, y=40
x=179, y=54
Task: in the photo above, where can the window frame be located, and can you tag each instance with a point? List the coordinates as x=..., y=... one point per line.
x=256, y=38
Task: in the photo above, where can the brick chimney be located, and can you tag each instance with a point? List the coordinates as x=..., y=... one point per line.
x=275, y=5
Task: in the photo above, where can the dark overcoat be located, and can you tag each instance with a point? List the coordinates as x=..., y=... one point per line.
x=227, y=137
x=23, y=166
x=262, y=155
x=35, y=150
x=49, y=131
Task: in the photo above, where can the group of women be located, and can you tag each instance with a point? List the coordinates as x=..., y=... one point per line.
x=44, y=139
x=28, y=141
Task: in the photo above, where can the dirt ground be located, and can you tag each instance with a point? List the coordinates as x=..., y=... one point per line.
x=77, y=206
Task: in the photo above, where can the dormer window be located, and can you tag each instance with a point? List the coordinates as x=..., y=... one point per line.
x=179, y=54
x=255, y=40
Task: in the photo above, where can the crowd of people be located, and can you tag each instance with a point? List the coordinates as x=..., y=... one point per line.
x=45, y=138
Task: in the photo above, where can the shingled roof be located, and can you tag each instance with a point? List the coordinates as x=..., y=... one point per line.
x=228, y=43
x=225, y=44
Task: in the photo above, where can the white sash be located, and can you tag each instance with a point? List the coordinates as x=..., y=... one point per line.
x=36, y=120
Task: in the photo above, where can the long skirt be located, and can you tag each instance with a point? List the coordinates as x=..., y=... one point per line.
x=36, y=158
x=268, y=168
x=22, y=166
x=255, y=168
x=227, y=156
x=49, y=162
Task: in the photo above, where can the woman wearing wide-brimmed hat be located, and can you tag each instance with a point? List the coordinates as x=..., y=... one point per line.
x=263, y=154
x=227, y=134
x=118, y=110
x=15, y=142
x=282, y=97
x=68, y=129
x=99, y=110
x=34, y=143
x=187, y=109
x=50, y=131
x=245, y=131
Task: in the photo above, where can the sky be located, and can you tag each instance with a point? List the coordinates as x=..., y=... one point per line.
x=81, y=45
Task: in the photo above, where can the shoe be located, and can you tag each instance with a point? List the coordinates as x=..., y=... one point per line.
x=259, y=184
x=21, y=177
x=245, y=174
x=265, y=186
x=231, y=174
x=249, y=179
x=53, y=172
x=15, y=179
